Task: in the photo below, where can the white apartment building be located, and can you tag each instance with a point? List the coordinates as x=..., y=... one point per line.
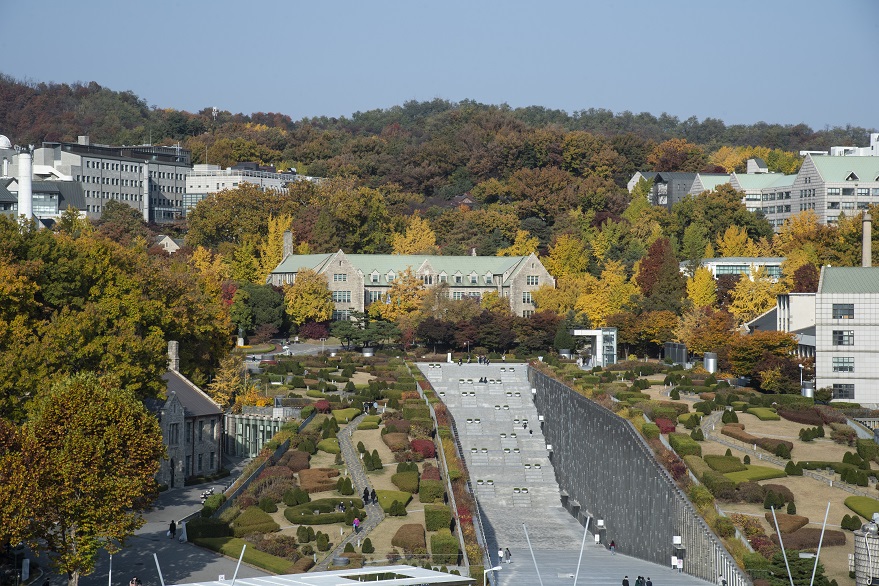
x=204, y=180
x=847, y=333
x=740, y=265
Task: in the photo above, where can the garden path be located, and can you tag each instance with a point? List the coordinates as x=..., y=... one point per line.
x=374, y=512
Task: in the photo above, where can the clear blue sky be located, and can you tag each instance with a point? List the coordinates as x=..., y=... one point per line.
x=743, y=61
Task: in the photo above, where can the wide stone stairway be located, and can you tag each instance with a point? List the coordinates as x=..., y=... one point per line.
x=515, y=485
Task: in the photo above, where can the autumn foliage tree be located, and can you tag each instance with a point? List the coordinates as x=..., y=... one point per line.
x=80, y=472
x=308, y=298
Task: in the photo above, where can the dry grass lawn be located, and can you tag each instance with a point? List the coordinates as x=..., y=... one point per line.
x=381, y=536
x=372, y=440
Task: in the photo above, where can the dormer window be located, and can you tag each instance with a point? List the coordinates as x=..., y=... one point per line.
x=474, y=279
x=488, y=279
x=852, y=177
x=391, y=276
x=459, y=279
x=373, y=278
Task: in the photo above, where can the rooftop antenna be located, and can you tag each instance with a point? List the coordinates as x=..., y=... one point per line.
x=214, y=113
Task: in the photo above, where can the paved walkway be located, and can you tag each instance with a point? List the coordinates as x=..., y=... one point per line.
x=180, y=562
x=374, y=512
x=501, y=437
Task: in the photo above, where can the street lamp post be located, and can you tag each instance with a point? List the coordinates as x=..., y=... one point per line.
x=485, y=573
x=801, y=377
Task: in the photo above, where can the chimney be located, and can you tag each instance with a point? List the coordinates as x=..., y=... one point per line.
x=25, y=185
x=145, y=207
x=288, y=244
x=173, y=356
x=866, y=248
x=82, y=139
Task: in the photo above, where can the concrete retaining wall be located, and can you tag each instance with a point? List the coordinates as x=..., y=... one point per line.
x=609, y=472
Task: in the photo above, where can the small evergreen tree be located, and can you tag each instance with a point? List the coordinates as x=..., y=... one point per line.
x=697, y=434
x=675, y=394
x=367, y=546
x=361, y=448
x=746, y=459
x=376, y=461
x=728, y=452
x=791, y=508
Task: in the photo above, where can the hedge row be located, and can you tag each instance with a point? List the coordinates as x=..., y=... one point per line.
x=684, y=445
x=254, y=520
x=444, y=547
x=724, y=464
x=737, y=431
x=437, y=517
x=764, y=413
x=755, y=473
x=406, y=481
x=232, y=547
x=430, y=491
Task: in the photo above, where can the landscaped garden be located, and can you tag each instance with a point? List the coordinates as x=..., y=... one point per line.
x=730, y=459
x=303, y=504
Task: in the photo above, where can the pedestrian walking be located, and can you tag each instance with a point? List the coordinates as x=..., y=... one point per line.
x=366, y=495
x=500, y=555
x=625, y=581
x=649, y=582
x=680, y=565
x=172, y=529
x=613, y=548
x=356, y=525
x=508, y=557
x=373, y=497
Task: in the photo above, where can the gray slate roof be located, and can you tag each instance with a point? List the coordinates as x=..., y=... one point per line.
x=195, y=402
x=857, y=280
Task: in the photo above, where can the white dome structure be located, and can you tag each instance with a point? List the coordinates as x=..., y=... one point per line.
x=5, y=142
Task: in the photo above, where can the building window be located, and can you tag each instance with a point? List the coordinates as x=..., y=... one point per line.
x=374, y=296
x=427, y=279
x=201, y=431
x=526, y=297
x=844, y=391
x=843, y=311
x=457, y=295
x=474, y=279
x=342, y=296
x=443, y=278
x=340, y=277
x=213, y=461
x=488, y=280
x=341, y=314
x=459, y=280
x=832, y=205
x=213, y=433
x=843, y=364
x=863, y=191
x=532, y=280
x=391, y=277
x=843, y=337
x=527, y=313
x=188, y=432
x=189, y=465
x=373, y=278
x=200, y=462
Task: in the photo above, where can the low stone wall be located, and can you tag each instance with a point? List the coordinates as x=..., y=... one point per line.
x=610, y=473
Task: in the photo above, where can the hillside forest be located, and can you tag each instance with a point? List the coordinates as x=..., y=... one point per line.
x=432, y=177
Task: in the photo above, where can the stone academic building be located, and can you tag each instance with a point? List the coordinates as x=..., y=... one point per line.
x=356, y=280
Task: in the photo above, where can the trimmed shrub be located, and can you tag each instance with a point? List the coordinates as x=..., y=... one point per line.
x=230, y=546
x=407, y=467
x=268, y=505
x=387, y=497
x=376, y=461
x=729, y=417
x=724, y=464
x=697, y=435
x=345, y=415
x=437, y=517
x=323, y=541
x=787, y=523
x=808, y=537
x=298, y=460
x=397, y=509
x=318, y=479
x=755, y=474
x=444, y=547
x=398, y=426
x=750, y=492
x=367, y=546
x=253, y=520
x=430, y=472
x=329, y=445
x=327, y=511
x=697, y=465
x=345, y=486
x=792, y=508
x=207, y=527
x=430, y=491
x=409, y=537
x=792, y=469
x=719, y=485
x=684, y=445
x=397, y=442
x=424, y=447
x=367, y=425
x=406, y=481
x=863, y=505
x=867, y=449
x=764, y=413
x=211, y=504
x=665, y=425
x=650, y=430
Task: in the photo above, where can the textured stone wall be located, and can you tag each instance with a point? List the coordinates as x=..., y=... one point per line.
x=610, y=473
